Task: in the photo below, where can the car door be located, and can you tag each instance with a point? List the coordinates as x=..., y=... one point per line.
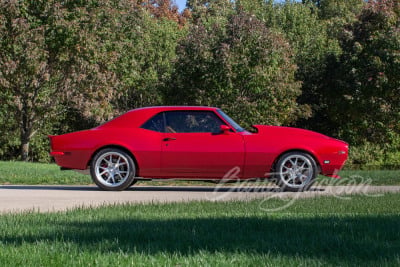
x=194, y=146
x=148, y=149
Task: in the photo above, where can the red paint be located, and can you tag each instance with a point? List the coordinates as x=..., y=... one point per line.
x=57, y=153
x=196, y=155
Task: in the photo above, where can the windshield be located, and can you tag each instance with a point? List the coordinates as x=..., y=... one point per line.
x=230, y=121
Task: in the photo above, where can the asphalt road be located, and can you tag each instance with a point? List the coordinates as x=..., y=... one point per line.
x=20, y=198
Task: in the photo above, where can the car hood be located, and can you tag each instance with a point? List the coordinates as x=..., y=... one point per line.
x=285, y=131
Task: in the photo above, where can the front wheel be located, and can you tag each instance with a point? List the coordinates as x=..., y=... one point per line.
x=113, y=169
x=295, y=171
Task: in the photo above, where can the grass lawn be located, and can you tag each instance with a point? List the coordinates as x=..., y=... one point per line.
x=50, y=174
x=15, y=172
x=372, y=177
x=325, y=231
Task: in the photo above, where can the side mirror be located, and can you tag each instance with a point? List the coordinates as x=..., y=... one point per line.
x=225, y=129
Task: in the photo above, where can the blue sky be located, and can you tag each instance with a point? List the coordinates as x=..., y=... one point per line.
x=182, y=3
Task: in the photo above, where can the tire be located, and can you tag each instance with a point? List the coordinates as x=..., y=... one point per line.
x=295, y=171
x=113, y=169
x=134, y=182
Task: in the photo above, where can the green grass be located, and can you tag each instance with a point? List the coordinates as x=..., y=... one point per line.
x=325, y=231
x=359, y=230
x=50, y=174
x=372, y=177
x=14, y=172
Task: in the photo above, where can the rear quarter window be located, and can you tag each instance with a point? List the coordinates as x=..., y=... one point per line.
x=156, y=123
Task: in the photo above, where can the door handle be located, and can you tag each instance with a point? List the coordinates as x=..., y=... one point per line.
x=169, y=139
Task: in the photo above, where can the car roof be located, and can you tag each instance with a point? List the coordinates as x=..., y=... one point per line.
x=136, y=117
x=168, y=108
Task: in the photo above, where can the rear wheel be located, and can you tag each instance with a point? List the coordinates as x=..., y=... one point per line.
x=113, y=169
x=295, y=171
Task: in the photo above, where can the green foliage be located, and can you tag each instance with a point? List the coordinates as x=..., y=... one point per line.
x=366, y=156
x=392, y=149
x=145, y=58
x=327, y=65
x=308, y=35
x=81, y=55
x=48, y=59
x=241, y=66
x=370, y=155
x=210, y=11
x=362, y=85
x=343, y=11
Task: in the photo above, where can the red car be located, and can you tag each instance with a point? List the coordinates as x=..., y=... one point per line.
x=199, y=143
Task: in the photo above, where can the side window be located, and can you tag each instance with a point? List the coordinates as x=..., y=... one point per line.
x=156, y=123
x=192, y=122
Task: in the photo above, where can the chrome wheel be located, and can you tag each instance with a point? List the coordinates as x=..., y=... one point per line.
x=296, y=171
x=113, y=169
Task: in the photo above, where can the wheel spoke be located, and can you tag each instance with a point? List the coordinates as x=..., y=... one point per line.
x=112, y=169
x=101, y=174
x=295, y=171
x=110, y=178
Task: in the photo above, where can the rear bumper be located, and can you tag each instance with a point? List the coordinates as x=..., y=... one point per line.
x=71, y=159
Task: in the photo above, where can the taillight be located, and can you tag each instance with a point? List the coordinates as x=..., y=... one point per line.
x=58, y=153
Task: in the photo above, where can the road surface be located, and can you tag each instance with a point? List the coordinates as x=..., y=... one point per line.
x=20, y=198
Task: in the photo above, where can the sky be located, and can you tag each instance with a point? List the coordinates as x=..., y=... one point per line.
x=182, y=3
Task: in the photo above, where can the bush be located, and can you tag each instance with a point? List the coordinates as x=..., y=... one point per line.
x=376, y=156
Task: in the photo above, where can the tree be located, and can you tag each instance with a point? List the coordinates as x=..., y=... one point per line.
x=161, y=9
x=362, y=89
x=24, y=68
x=338, y=13
x=310, y=41
x=343, y=9
x=49, y=58
x=70, y=61
x=210, y=11
x=141, y=38
x=241, y=66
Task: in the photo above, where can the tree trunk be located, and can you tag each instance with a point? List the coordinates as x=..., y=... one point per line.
x=24, y=150
x=26, y=135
